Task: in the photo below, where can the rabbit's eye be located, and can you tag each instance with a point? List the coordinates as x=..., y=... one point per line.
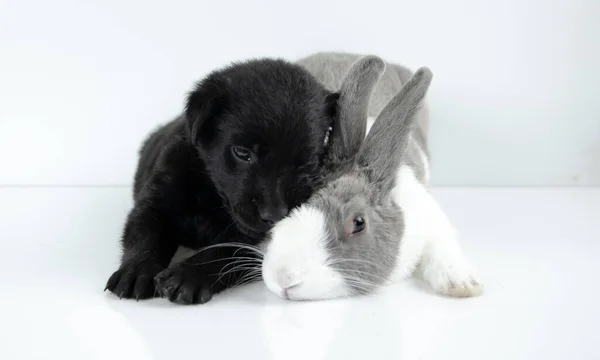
x=356, y=226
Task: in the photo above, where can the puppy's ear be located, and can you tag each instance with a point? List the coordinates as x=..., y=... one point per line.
x=204, y=103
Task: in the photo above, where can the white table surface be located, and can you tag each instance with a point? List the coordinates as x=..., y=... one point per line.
x=537, y=249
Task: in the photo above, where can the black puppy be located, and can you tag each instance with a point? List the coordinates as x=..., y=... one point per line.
x=247, y=150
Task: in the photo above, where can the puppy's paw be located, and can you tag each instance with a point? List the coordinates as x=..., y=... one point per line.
x=452, y=279
x=134, y=279
x=183, y=284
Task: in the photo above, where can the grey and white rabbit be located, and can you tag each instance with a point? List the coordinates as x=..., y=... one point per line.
x=375, y=221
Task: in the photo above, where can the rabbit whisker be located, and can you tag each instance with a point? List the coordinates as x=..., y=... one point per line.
x=251, y=248
x=365, y=273
x=235, y=269
x=360, y=285
x=249, y=277
x=245, y=258
x=355, y=274
x=342, y=260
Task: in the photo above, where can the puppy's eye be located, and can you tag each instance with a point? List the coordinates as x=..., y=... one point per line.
x=355, y=226
x=241, y=153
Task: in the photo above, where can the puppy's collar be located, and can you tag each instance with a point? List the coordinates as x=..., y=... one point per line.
x=327, y=135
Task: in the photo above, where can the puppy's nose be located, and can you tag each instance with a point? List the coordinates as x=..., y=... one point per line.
x=272, y=214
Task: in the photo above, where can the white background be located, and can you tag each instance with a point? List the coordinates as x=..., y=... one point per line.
x=514, y=102
x=515, y=94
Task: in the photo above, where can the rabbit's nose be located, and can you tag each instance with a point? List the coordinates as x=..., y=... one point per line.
x=286, y=280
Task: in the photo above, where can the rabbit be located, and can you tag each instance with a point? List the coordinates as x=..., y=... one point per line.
x=374, y=222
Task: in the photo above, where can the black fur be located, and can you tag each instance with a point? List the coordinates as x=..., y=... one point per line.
x=191, y=190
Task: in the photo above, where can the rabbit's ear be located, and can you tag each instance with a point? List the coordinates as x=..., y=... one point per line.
x=383, y=148
x=350, y=122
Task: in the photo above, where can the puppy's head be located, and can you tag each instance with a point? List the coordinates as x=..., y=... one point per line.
x=262, y=128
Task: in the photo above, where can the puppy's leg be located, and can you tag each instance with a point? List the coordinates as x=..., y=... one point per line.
x=209, y=271
x=150, y=236
x=430, y=242
x=147, y=249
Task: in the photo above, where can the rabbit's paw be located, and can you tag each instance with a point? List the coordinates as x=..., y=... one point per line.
x=451, y=278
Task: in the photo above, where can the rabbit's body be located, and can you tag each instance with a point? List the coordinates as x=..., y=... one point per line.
x=310, y=255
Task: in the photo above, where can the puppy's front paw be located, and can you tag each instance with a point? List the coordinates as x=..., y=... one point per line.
x=183, y=284
x=134, y=279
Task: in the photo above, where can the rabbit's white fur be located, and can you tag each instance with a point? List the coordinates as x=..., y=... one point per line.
x=302, y=257
x=430, y=243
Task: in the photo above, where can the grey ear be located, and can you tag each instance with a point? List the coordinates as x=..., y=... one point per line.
x=350, y=124
x=383, y=148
